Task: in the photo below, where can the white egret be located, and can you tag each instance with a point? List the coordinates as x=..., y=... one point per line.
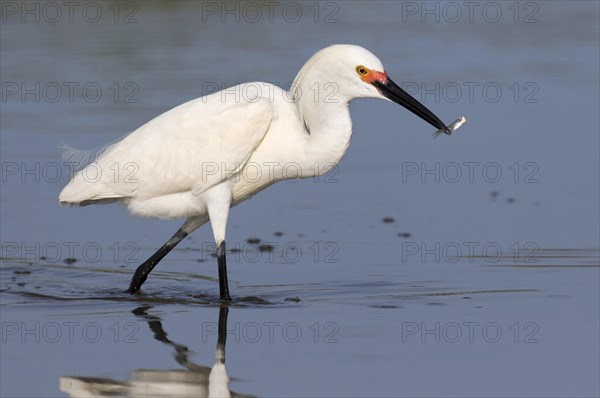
x=206, y=155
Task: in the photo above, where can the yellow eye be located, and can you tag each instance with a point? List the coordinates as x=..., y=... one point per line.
x=361, y=70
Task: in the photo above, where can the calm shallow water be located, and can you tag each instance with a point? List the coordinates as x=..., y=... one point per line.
x=483, y=283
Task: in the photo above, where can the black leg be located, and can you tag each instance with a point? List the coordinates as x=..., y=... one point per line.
x=141, y=273
x=223, y=284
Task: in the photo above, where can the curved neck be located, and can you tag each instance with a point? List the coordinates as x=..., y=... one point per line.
x=325, y=116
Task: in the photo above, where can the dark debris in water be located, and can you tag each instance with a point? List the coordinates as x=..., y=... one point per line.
x=404, y=234
x=70, y=260
x=293, y=299
x=265, y=248
x=388, y=220
x=278, y=233
x=21, y=272
x=253, y=241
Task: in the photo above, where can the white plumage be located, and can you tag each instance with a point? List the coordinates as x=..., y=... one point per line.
x=163, y=168
x=202, y=157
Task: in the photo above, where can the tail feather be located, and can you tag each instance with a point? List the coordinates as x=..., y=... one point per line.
x=80, y=191
x=80, y=158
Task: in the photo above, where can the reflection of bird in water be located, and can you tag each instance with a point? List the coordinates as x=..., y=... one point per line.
x=193, y=381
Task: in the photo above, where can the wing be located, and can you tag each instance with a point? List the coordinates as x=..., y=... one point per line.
x=191, y=147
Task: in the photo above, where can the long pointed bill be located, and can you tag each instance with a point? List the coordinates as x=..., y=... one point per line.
x=392, y=91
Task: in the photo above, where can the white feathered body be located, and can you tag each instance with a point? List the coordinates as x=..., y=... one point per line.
x=227, y=146
x=167, y=167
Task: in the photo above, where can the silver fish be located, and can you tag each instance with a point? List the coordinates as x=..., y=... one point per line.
x=452, y=127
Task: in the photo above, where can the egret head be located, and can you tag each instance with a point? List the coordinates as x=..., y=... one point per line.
x=355, y=72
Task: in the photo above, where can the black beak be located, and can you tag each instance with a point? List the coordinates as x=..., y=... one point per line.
x=392, y=91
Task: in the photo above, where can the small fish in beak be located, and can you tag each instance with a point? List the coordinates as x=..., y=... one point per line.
x=451, y=127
